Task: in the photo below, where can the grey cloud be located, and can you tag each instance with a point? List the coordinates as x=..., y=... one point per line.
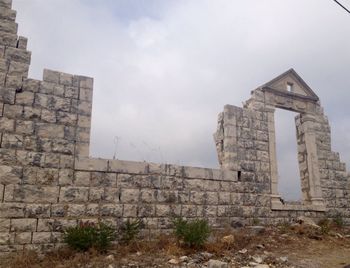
x=163, y=73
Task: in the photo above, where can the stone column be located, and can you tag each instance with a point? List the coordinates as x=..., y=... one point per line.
x=315, y=192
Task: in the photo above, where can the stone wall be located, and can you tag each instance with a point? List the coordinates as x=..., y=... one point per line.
x=49, y=182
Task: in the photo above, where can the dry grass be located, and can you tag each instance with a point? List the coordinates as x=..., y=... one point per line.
x=161, y=249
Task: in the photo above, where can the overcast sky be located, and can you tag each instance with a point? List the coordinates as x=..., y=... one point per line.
x=163, y=70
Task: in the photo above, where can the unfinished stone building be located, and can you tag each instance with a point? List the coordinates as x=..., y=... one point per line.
x=49, y=182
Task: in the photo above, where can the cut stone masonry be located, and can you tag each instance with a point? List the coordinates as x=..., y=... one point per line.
x=48, y=181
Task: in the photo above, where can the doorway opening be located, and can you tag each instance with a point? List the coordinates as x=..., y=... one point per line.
x=289, y=182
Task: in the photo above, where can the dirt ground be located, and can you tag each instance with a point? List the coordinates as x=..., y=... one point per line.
x=295, y=246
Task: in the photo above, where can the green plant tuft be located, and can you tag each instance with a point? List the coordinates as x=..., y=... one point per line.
x=192, y=233
x=130, y=230
x=325, y=225
x=338, y=221
x=88, y=235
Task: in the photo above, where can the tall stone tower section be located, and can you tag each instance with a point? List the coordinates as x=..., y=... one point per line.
x=44, y=127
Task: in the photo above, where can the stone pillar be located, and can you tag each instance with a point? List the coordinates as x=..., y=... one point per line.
x=314, y=191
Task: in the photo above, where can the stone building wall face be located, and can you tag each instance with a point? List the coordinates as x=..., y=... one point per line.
x=48, y=182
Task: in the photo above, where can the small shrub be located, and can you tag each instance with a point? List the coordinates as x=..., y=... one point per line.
x=194, y=233
x=284, y=226
x=89, y=235
x=256, y=221
x=325, y=225
x=338, y=221
x=129, y=230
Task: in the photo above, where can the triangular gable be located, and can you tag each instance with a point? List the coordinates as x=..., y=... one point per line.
x=290, y=82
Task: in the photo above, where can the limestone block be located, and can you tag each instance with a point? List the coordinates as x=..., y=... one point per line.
x=51, y=160
x=46, y=130
x=18, y=69
x=62, y=146
x=2, y=190
x=84, y=121
x=97, y=194
x=22, y=42
x=4, y=225
x=11, y=141
x=66, y=118
x=103, y=179
x=184, y=197
x=194, y=172
x=207, y=211
x=111, y=210
x=92, y=210
x=75, y=210
x=24, y=127
x=188, y=211
x=31, y=194
x=59, y=210
x=66, y=79
x=8, y=26
x=8, y=94
x=71, y=92
x=65, y=177
x=91, y=164
x=237, y=199
x=85, y=94
x=195, y=184
x=170, y=197
x=226, y=175
x=82, y=178
x=6, y=238
x=23, y=225
x=197, y=198
x=263, y=156
x=130, y=196
x=41, y=237
x=10, y=174
x=83, y=135
x=19, y=55
x=127, y=167
x=7, y=124
x=112, y=195
x=12, y=210
x=146, y=210
x=32, y=143
x=82, y=107
x=224, y=198
x=211, y=198
x=168, y=210
x=46, y=176
x=74, y=194
x=66, y=161
x=6, y=4
x=82, y=149
x=59, y=104
x=172, y=183
x=148, y=196
x=7, y=14
x=130, y=210
x=55, y=225
x=31, y=113
x=51, y=76
x=138, y=181
x=8, y=39
x=23, y=238
x=86, y=82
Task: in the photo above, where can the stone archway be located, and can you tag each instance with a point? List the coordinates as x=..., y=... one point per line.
x=255, y=124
